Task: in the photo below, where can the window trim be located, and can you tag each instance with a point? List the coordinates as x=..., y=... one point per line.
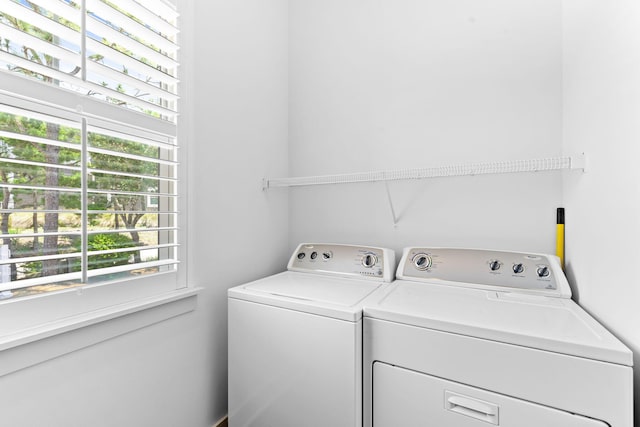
x=28, y=92
x=31, y=346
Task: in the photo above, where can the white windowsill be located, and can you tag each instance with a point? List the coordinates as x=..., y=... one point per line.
x=35, y=345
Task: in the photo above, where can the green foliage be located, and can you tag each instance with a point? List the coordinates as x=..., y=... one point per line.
x=30, y=151
x=105, y=242
x=119, y=200
x=20, y=249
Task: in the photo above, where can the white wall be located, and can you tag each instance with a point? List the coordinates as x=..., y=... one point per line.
x=174, y=373
x=390, y=84
x=602, y=118
x=237, y=232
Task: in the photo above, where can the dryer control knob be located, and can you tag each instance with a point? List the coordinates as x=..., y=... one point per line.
x=422, y=261
x=495, y=265
x=543, y=271
x=369, y=260
x=518, y=268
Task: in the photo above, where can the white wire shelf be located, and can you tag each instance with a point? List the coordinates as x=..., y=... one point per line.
x=575, y=162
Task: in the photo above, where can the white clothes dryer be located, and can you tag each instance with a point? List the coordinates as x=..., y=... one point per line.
x=295, y=338
x=471, y=338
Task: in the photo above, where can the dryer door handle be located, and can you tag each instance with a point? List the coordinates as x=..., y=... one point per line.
x=471, y=407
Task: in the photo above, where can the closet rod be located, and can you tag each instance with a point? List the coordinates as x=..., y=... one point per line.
x=467, y=169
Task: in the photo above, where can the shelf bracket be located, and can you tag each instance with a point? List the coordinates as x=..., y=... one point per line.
x=393, y=211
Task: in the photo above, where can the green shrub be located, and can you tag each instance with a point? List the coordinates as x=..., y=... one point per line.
x=105, y=242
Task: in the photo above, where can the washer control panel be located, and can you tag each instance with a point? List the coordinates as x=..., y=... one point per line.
x=344, y=260
x=481, y=268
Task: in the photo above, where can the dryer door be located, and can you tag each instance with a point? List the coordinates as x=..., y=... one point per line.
x=411, y=399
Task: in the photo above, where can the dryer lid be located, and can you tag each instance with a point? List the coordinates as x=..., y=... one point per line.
x=541, y=322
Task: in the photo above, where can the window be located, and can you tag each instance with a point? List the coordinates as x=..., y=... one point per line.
x=88, y=145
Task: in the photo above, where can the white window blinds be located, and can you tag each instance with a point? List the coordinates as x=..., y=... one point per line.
x=118, y=51
x=89, y=194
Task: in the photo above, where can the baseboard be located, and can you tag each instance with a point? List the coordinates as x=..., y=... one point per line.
x=222, y=423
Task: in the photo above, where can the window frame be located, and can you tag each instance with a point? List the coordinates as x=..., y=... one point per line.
x=60, y=322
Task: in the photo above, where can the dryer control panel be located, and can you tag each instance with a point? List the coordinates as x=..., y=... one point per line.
x=487, y=269
x=344, y=260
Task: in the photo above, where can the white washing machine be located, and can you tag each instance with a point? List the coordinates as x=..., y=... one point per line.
x=472, y=338
x=295, y=338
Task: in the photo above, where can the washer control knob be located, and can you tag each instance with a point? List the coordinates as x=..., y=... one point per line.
x=518, y=268
x=422, y=261
x=543, y=271
x=327, y=255
x=314, y=255
x=301, y=255
x=369, y=260
x=495, y=265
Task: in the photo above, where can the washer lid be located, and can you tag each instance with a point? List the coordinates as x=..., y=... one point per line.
x=541, y=322
x=340, y=298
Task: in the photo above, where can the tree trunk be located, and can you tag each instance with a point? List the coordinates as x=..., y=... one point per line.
x=130, y=221
x=4, y=228
x=51, y=203
x=136, y=240
x=35, y=220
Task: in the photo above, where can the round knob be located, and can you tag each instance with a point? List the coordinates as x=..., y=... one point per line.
x=422, y=261
x=518, y=268
x=301, y=255
x=369, y=260
x=543, y=271
x=495, y=265
x=327, y=255
x=314, y=255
